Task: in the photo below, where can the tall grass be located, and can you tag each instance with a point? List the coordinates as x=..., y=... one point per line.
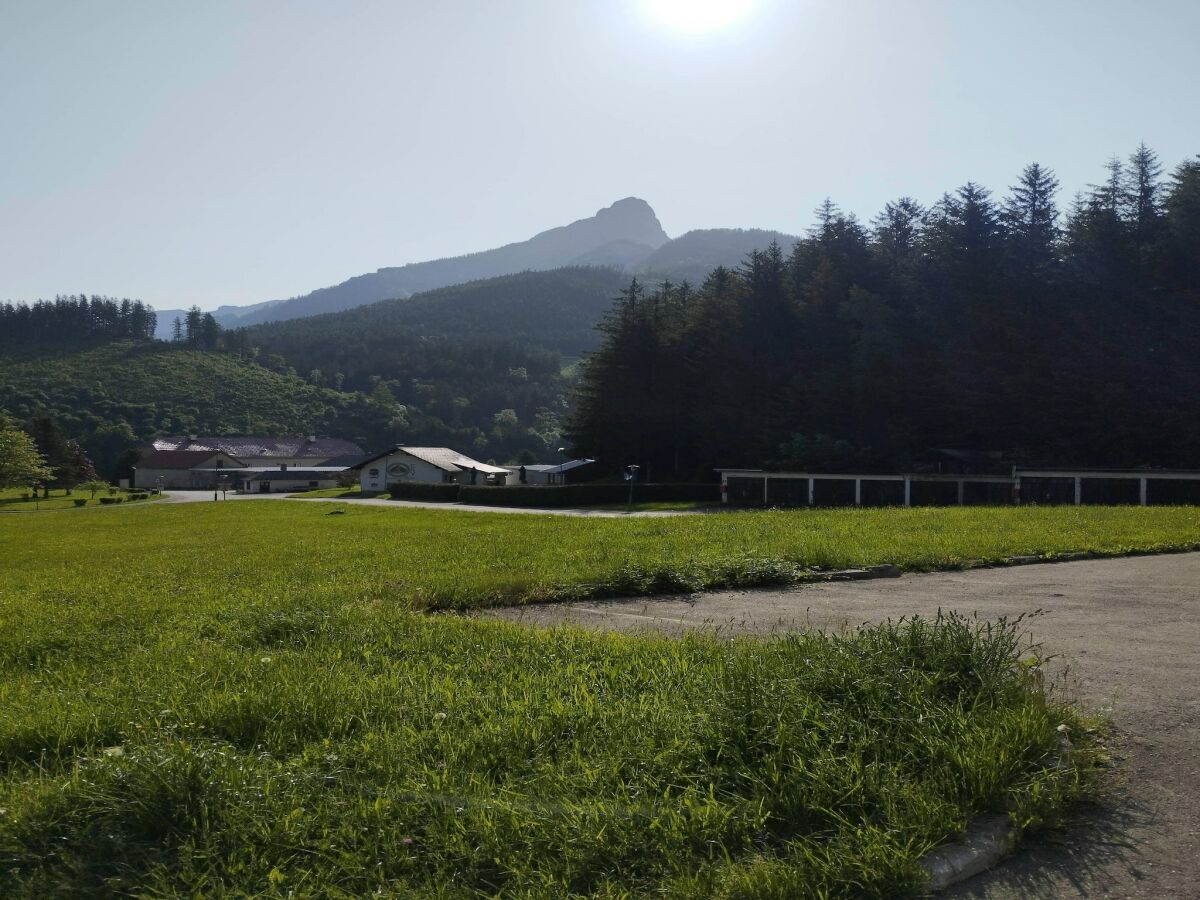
x=343, y=750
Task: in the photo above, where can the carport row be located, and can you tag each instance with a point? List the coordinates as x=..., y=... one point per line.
x=753, y=487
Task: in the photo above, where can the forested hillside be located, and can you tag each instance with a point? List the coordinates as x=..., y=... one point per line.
x=556, y=310
x=72, y=321
x=978, y=323
x=690, y=257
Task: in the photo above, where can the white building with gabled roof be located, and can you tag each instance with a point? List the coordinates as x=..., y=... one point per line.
x=425, y=465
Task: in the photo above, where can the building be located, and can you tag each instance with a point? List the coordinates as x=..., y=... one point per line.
x=196, y=462
x=182, y=468
x=1145, y=487
x=424, y=465
x=570, y=472
x=255, y=480
x=536, y=473
x=265, y=451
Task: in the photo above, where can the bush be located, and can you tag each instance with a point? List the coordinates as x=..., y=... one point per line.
x=588, y=494
x=138, y=496
x=439, y=493
x=108, y=500
x=80, y=501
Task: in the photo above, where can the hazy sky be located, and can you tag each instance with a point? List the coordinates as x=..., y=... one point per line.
x=229, y=152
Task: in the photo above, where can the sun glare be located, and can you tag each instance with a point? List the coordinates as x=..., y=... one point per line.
x=697, y=17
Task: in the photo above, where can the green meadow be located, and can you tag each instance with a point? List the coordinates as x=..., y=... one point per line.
x=254, y=699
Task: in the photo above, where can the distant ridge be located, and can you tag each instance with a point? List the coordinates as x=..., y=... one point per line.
x=626, y=236
x=620, y=234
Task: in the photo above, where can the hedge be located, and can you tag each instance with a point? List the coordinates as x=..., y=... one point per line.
x=441, y=493
x=587, y=494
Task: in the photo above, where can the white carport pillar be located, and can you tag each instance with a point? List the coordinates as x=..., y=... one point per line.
x=766, y=478
x=907, y=491
x=811, y=492
x=858, y=492
x=962, y=491
x=1078, y=490
x=1142, y=490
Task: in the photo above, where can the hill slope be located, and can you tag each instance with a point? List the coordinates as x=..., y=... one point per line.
x=624, y=232
x=556, y=310
x=157, y=388
x=691, y=256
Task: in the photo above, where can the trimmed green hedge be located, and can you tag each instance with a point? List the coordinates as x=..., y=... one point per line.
x=556, y=495
x=441, y=493
x=587, y=494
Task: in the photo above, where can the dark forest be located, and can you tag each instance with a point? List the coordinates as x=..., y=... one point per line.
x=982, y=324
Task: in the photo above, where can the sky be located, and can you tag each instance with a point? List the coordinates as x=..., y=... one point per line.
x=229, y=152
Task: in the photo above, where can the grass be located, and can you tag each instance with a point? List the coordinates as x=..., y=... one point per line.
x=246, y=699
x=421, y=559
x=348, y=492
x=343, y=750
x=14, y=500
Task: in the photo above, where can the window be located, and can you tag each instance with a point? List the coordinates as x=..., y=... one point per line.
x=374, y=473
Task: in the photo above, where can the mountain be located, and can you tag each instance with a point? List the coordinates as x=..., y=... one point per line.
x=693, y=255
x=622, y=233
x=228, y=316
x=626, y=236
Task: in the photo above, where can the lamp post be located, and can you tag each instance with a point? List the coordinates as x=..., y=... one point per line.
x=562, y=451
x=630, y=475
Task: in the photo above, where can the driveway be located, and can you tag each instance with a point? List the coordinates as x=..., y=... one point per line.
x=206, y=496
x=1125, y=634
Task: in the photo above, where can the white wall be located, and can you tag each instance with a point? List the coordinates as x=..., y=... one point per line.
x=421, y=471
x=531, y=477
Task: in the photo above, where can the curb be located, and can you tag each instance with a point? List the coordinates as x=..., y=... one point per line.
x=889, y=570
x=987, y=841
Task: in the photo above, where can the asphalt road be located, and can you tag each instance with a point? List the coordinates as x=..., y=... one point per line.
x=1125, y=634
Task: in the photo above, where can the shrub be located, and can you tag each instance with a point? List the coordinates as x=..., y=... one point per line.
x=108, y=500
x=441, y=493
x=587, y=494
x=80, y=501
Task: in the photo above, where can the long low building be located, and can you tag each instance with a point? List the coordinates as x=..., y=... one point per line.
x=756, y=487
x=196, y=462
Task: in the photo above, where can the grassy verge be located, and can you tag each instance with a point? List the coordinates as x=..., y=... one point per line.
x=349, y=493
x=283, y=744
x=14, y=500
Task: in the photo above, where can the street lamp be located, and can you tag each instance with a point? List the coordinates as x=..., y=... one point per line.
x=562, y=477
x=630, y=475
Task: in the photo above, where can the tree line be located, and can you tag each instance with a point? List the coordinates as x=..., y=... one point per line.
x=976, y=323
x=41, y=456
x=75, y=319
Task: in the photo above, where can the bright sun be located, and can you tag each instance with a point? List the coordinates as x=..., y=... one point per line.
x=697, y=17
